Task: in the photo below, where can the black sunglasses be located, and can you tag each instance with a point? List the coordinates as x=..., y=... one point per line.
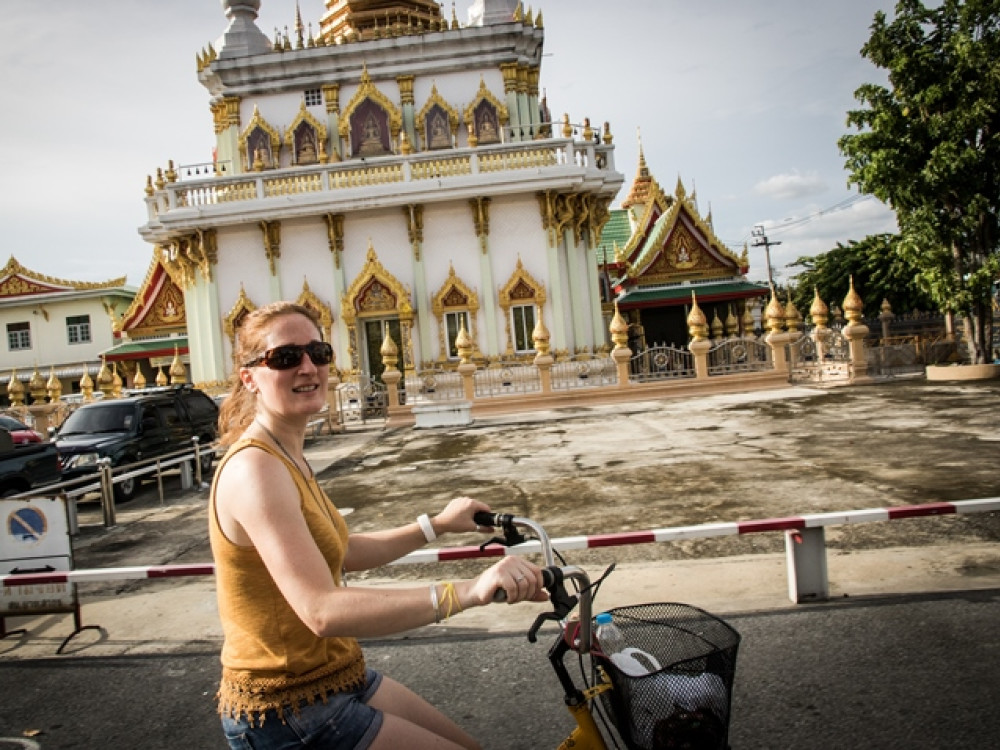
x=290, y=355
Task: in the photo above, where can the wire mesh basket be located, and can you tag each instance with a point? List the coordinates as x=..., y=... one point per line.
x=672, y=686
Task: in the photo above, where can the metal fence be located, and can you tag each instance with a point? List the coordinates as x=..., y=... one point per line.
x=661, y=362
x=808, y=364
x=584, y=372
x=435, y=385
x=507, y=378
x=736, y=355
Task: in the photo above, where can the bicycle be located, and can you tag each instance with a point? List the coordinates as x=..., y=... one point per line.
x=670, y=688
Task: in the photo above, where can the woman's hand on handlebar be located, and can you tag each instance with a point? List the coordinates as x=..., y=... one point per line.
x=457, y=516
x=519, y=579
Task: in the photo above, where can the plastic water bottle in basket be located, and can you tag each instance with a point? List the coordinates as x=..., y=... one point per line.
x=672, y=668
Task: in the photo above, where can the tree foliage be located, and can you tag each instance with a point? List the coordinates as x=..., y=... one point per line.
x=929, y=146
x=879, y=270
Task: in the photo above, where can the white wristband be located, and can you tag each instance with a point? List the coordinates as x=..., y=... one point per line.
x=427, y=527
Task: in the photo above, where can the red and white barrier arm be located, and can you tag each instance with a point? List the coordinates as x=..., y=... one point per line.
x=447, y=554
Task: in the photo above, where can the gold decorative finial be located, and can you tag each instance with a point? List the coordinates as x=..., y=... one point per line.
x=540, y=337
x=774, y=313
x=619, y=329
x=86, y=385
x=854, y=308
x=818, y=310
x=696, y=320
x=178, y=373
x=161, y=377
x=463, y=344
x=53, y=386
x=15, y=390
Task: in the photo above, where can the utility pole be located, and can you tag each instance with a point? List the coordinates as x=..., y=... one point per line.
x=760, y=240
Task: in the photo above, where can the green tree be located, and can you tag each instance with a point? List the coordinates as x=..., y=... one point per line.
x=880, y=273
x=929, y=146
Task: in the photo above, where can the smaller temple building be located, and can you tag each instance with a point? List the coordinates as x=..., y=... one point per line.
x=657, y=250
x=55, y=329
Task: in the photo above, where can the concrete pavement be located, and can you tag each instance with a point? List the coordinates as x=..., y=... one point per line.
x=137, y=617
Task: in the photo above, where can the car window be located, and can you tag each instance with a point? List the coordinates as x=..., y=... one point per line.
x=170, y=415
x=200, y=407
x=105, y=418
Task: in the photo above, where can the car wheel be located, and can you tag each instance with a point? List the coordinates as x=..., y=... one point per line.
x=125, y=490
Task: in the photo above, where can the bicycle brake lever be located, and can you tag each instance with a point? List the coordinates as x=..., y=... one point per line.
x=562, y=604
x=539, y=621
x=494, y=540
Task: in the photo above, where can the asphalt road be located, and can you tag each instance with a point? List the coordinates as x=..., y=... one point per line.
x=914, y=672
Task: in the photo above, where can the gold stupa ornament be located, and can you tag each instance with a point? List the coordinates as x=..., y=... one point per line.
x=619, y=329
x=105, y=380
x=53, y=386
x=36, y=386
x=792, y=316
x=540, y=337
x=389, y=351
x=178, y=373
x=161, y=377
x=818, y=310
x=15, y=390
x=774, y=313
x=87, y=385
x=854, y=308
x=463, y=345
x=697, y=322
x=139, y=381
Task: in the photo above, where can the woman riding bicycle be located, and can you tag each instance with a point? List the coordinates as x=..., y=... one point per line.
x=293, y=672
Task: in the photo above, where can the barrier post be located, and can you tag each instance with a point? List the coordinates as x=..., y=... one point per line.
x=805, y=552
x=186, y=478
x=197, y=460
x=107, y=492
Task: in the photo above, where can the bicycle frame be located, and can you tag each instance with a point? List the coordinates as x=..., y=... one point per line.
x=586, y=735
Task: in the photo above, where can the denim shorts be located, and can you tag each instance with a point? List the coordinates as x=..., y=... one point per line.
x=344, y=722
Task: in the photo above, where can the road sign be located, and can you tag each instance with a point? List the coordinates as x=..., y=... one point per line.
x=35, y=538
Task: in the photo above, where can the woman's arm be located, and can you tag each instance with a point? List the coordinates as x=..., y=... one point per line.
x=258, y=503
x=371, y=549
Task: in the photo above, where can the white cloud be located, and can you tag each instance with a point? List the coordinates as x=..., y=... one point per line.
x=791, y=185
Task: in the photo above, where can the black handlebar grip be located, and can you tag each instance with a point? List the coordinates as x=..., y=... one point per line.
x=485, y=518
x=550, y=577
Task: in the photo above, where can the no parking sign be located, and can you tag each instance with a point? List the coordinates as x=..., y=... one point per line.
x=35, y=538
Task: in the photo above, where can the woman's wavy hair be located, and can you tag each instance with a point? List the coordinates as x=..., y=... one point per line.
x=240, y=406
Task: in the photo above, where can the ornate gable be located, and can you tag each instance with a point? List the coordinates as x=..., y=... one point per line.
x=158, y=308
x=680, y=246
x=18, y=281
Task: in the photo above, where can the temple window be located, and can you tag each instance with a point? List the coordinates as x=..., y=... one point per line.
x=314, y=97
x=78, y=329
x=18, y=336
x=523, y=323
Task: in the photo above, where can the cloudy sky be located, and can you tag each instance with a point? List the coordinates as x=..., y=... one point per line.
x=743, y=100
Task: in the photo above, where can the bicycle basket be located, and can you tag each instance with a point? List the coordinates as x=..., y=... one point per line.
x=676, y=687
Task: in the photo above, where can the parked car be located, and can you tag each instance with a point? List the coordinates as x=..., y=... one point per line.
x=26, y=466
x=145, y=425
x=20, y=432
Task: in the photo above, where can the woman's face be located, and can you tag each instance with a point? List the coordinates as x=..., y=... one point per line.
x=299, y=390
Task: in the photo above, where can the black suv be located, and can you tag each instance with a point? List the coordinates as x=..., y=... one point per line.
x=144, y=425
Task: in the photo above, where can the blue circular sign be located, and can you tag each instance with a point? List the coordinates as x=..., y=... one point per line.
x=27, y=524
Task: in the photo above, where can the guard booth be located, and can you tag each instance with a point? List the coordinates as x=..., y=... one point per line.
x=35, y=539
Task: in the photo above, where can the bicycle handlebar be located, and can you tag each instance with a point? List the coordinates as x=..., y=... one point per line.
x=553, y=576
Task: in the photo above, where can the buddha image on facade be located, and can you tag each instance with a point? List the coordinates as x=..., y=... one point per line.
x=439, y=135
x=487, y=127
x=306, y=150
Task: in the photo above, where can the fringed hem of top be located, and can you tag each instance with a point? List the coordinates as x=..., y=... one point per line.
x=242, y=695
